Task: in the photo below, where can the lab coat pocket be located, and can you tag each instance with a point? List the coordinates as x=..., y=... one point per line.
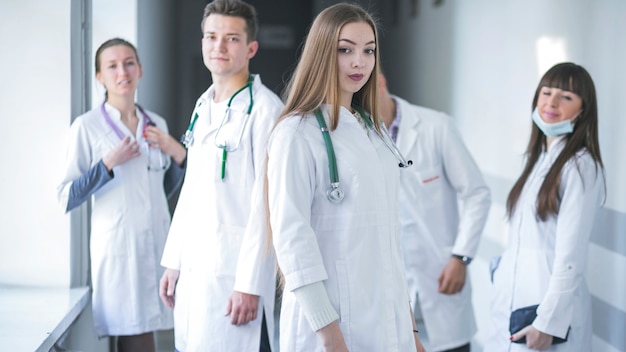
x=228, y=245
x=108, y=232
x=430, y=181
x=430, y=177
x=233, y=167
x=110, y=243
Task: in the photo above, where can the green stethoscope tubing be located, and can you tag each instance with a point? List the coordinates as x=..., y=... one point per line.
x=224, y=147
x=335, y=193
x=187, y=138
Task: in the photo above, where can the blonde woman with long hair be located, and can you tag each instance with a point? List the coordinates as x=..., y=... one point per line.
x=332, y=193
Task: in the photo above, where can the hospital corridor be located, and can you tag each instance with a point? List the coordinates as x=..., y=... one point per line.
x=480, y=65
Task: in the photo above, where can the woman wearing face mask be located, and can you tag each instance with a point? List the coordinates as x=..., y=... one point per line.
x=122, y=160
x=541, y=299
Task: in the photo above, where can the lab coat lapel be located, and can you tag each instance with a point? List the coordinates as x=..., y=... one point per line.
x=408, y=132
x=116, y=120
x=239, y=103
x=206, y=124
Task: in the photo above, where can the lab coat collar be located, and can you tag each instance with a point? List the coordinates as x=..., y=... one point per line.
x=240, y=102
x=408, y=131
x=116, y=118
x=345, y=116
x=555, y=149
x=558, y=143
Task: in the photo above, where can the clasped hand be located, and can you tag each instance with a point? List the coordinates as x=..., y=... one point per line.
x=125, y=150
x=159, y=139
x=535, y=339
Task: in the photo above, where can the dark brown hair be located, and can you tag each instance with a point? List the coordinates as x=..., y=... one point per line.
x=233, y=8
x=113, y=42
x=110, y=43
x=574, y=78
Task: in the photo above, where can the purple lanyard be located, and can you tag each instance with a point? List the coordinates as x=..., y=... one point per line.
x=146, y=120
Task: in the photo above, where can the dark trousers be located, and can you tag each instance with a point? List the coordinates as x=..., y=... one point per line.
x=265, y=340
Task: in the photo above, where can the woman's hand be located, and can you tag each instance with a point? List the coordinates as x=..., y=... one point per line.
x=123, y=151
x=167, y=286
x=535, y=339
x=170, y=146
x=332, y=338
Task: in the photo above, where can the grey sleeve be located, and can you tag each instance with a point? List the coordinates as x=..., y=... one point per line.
x=174, y=178
x=87, y=184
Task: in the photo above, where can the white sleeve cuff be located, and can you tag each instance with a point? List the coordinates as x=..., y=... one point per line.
x=315, y=304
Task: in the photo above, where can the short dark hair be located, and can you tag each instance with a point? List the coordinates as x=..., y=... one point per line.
x=234, y=8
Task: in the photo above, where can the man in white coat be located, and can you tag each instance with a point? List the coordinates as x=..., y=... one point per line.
x=440, y=237
x=226, y=142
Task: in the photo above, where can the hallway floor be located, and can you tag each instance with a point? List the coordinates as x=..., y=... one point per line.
x=165, y=341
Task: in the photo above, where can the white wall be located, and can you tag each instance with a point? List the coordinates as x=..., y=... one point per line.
x=35, y=107
x=480, y=61
x=111, y=18
x=35, y=110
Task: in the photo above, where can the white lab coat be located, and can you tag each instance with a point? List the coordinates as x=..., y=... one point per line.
x=544, y=262
x=433, y=226
x=129, y=223
x=352, y=247
x=209, y=223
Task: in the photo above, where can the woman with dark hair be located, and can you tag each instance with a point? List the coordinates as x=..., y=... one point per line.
x=119, y=158
x=541, y=299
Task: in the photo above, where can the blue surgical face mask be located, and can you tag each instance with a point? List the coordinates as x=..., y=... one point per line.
x=552, y=129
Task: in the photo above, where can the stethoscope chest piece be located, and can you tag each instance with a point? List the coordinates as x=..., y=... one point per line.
x=187, y=138
x=335, y=193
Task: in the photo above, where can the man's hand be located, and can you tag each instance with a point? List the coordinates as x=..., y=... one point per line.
x=242, y=308
x=452, y=278
x=167, y=286
x=535, y=339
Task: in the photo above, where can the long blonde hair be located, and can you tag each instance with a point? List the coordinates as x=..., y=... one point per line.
x=315, y=80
